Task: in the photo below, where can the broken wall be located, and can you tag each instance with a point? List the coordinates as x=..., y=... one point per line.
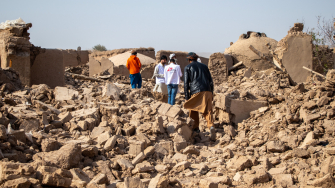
x=15, y=47
x=48, y=68
x=97, y=67
x=218, y=65
x=74, y=57
x=295, y=51
x=150, y=52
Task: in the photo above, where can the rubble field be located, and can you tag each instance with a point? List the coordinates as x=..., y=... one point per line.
x=98, y=132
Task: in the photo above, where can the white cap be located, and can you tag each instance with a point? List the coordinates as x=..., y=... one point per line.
x=172, y=55
x=199, y=60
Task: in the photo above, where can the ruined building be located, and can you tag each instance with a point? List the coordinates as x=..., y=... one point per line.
x=35, y=65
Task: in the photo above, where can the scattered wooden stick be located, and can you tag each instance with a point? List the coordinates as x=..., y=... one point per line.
x=235, y=66
x=82, y=77
x=313, y=71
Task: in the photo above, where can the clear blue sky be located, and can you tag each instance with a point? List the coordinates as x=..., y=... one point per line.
x=197, y=25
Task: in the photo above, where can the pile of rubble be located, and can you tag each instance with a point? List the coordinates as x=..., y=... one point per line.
x=98, y=132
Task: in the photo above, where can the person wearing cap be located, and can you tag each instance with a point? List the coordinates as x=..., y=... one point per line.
x=134, y=66
x=160, y=89
x=173, y=56
x=198, y=89
x=172, y=74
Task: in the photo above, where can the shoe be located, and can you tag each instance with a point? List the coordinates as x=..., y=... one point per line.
x=196, y=130
x=212, y=133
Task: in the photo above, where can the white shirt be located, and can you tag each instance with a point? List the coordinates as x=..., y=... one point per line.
x=159, y=73
x=172, y=74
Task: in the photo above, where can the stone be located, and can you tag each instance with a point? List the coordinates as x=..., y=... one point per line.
x=284, y=180
x=179, y=157
x=97, y=131
x=62, y=93
x=125, y=164
x=157, y=126
x=144, y=138
x=161, y=168
x=330, y=151
x=133, y=182
x=18, y=183
x=139, y=158
x=102, y=139
x=65, y=117
x=159, y=181
x=136, y=147
x=78, y=174
x=83, y=125
x=186, y=132
x=204, y=183
x=49, y=145
x=143, y=167
x=90, y=151
x=66, y=157
x=219, y=180
x=19, y=135
x=54, y=177
x=309, y=140
x=164, y=148
x=10, y=170
x=164, y=108
x=276, y=146
x=30, y=125
x=181, y=166
x=3, y=132
x=240, y=163
x=149, y=151
x=261, y=176
x=241, y=109
x=100, y=179
x=111, y=91
x=191, y=150
x=104, y=168
x=174, y=111
x=326, y=181
x=274, y=171
x=110, y=143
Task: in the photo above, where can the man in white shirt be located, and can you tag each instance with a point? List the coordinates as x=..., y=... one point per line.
x=172, y=74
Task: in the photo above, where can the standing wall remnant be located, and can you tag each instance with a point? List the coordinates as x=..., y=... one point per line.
x=218, y=67
x=15, y=48
x=295, y=51
x=48, y=68
x=75, y=57
x=97, y=67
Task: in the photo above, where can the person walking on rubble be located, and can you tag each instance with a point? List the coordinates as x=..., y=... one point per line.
x=198, y=89
x=172, y=75
x=134, y=66
x=160, y=89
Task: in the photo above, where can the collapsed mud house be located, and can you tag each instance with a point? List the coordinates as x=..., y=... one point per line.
x=35, y=65
x=99, y=133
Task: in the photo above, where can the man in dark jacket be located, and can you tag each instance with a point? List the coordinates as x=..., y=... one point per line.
x=198, y=88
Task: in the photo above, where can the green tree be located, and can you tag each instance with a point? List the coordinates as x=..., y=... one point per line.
x=99, y=47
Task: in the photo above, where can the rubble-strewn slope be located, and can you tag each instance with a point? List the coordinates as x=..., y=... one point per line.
x=102, y=133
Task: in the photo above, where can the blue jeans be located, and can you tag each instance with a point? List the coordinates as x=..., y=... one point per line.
x=135, y=80
x=172, y=91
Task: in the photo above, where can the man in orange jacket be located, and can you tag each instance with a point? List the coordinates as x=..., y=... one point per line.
x=134, y=66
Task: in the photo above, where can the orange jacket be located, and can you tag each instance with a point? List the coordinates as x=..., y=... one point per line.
x=133, y=64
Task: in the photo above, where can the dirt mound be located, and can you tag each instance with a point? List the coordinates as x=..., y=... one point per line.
x=121, y=59
x=241, y=52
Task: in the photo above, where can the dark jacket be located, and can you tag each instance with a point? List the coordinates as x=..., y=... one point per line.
x=197, y=78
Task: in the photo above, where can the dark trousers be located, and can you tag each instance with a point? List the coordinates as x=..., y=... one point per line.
x=135, y=80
